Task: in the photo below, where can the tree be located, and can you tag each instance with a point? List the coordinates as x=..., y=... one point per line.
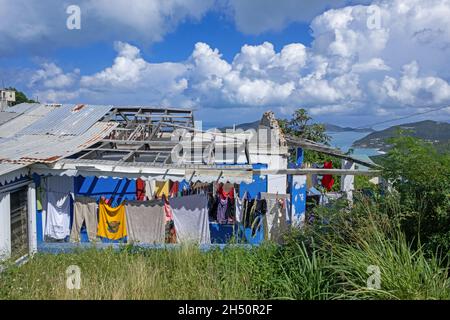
x=20, y=97
x=300, y=126
x=421, y=176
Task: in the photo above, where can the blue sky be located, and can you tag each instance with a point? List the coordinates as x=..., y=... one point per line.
x=347, y=62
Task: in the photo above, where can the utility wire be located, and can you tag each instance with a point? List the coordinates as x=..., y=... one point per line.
x=401, y=118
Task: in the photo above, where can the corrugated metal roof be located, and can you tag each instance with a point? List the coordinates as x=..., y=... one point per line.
x=67, y=120
x=50, y=148
x=7, y=116
x=15, y=111
x=23, y=107
x=22, y=121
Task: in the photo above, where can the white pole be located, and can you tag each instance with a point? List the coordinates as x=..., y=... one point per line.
x=348, y=181
x=32, y=227
x=5, y=226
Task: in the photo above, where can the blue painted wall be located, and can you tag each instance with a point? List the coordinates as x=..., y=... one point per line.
x=253, y=190
x=116, y=189
x=298, y=190
x=258, y=185
x=221, y=233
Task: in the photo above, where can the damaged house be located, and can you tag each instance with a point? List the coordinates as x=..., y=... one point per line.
x=81, y=175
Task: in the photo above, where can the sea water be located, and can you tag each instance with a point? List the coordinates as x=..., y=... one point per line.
x=344, y=140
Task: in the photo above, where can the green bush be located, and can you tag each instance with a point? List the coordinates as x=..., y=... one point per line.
x=421, y=177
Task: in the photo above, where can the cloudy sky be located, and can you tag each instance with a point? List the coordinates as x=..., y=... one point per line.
x=347, y=62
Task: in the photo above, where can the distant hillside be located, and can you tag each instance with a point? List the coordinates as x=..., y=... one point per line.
x=243, y=126
x=334, y=128
x=435, y=132
x=328, y=127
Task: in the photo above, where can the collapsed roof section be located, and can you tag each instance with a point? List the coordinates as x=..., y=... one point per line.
x=143, y=134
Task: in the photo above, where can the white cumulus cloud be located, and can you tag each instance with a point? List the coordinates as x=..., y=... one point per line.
x=352, y=68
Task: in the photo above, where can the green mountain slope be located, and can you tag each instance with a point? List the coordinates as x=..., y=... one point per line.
x=435, y=132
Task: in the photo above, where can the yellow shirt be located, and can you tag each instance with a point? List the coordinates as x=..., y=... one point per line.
x=111, y=221
x=162, y=188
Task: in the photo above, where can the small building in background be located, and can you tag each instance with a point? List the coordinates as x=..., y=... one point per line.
x=7, y=98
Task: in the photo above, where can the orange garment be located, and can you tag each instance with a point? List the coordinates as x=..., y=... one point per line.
x=140, y=189
x=111, y=221
x=174, y=189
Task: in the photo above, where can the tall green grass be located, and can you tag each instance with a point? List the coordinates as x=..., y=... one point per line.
x=327, y=260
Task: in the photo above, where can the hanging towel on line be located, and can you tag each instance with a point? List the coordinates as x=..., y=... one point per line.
x=190, y=215
x=146, y=221
x=59, y=191
x=111, y=221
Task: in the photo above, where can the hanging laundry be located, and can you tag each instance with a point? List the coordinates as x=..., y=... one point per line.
x=174, y=190
x=190, y=215
x=327, y=180
x=150, y=189
x=253, y=209
x=200, y=187
x=39, y=198
x=162, y=188
x=276, y=219
x=59, y=192
x=85, y=210
x=212, y=206
x=239, y=207
x=171, y=234
x=146, y=221
x=184, y=187
x=140, y=189
x=222, y=209
x=230, y=214
x=111, y=221
x=58, y=216
x=167, y=210
x=226, y=191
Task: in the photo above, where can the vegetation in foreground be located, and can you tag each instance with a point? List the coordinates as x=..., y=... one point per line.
x=329, y=265
x=329, y=259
